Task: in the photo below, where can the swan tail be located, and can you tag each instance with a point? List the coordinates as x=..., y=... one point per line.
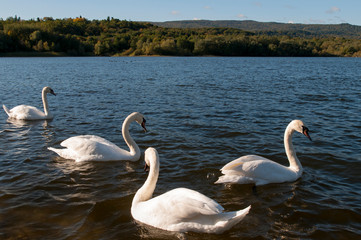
x=230, y=219
x=69, y=154
x=54, y=149
x=60, y=152
x=237, y=218
x=234, y=178
x=6, y=110
x=242, y=213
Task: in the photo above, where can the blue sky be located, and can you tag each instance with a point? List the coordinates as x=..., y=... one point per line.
x=286, y=11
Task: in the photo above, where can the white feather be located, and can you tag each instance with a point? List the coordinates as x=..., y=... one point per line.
x=180, y=209
x=94, y=148
x=25, y=112
x=259, y=170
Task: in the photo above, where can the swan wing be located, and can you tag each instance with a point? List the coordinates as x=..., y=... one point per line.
x=256, y=169
x=25, y=112
x=83, y=141
x=6, y=110
x=91, y=147
x=237, y=164
x=174, y=206
x=186, y=203
x=185, y=210
x=267, y=171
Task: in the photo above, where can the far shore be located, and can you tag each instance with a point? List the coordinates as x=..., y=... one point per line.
x=34, y=54
x=63, y=54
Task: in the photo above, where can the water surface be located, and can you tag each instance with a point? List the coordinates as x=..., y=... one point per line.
x=201, y=113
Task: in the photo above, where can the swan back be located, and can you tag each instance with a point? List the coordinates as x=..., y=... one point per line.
x=25, y=112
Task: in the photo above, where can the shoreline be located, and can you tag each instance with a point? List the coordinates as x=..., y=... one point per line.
x=63, y=54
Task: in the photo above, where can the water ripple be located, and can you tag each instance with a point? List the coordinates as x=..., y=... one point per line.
x=201, y=113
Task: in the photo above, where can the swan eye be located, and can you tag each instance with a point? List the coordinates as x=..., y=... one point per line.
x=146, y=168
x=143, y=125
x=304, y=129
x=52, y=91
x=305, y=132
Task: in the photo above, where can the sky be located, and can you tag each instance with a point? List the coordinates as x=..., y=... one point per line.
x=284, y=11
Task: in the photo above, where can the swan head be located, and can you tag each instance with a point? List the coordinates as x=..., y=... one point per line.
x=49, y=90
x=139, y=118
x=300, y=127
x=150, y=156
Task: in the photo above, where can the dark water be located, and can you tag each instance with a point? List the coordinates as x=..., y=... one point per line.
x=201, y=113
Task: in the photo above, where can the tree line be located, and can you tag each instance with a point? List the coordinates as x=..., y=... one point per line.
x=293, y=29
x=113, y=37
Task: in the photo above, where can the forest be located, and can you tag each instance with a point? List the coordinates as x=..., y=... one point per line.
x=275, y=28
x=113, y=37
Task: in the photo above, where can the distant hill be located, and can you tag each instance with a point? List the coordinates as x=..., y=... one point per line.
x=272, y=28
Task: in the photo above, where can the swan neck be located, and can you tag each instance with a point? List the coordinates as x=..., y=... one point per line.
x=133, y=147
x=45, y=102
x=290, y=151
x=146, y=191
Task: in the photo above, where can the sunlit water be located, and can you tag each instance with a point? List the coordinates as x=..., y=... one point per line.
x=201, y=113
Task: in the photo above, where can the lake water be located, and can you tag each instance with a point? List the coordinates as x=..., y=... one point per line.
x=201, y=113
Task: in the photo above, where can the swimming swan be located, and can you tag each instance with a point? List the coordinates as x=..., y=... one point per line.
x=259, y=170
x=94, y=148
x=24, y=112
x=180, y=209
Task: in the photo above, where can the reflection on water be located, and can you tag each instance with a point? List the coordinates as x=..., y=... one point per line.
x=201, y=113
x=67, y=166
x=22, y=127
x=149, y=232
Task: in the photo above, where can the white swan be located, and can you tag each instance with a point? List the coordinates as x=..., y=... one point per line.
x=181, y=209
x=259, y=170
x=25, y=112
x=94, y=148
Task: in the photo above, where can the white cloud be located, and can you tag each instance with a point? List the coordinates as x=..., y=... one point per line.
x=175, y=12
x=207, y=7
x=290, y=21
x=333, y=10
x=242, y=16
x=257, y=4
x=196, y=19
